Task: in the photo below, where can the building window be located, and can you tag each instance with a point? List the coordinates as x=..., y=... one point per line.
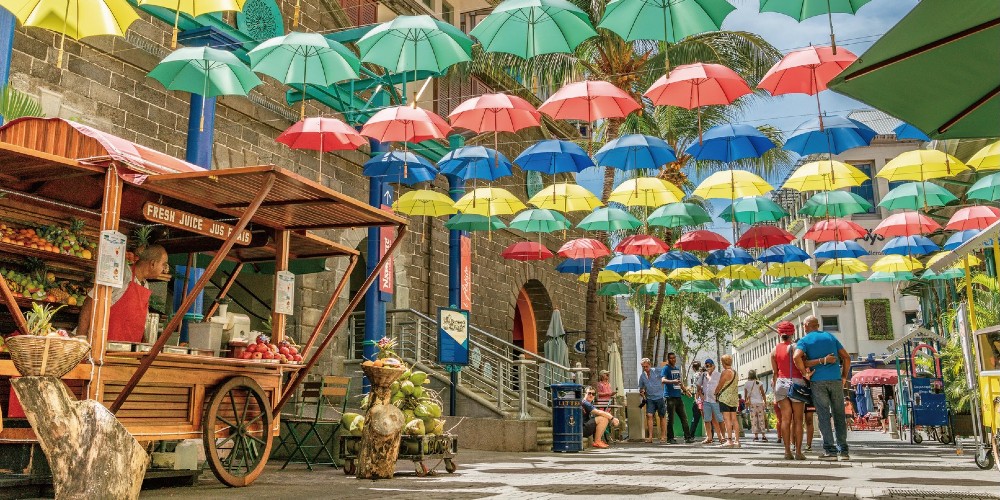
x=831, y=323
x=447, y=13
x=910, y=317
x=866, y=190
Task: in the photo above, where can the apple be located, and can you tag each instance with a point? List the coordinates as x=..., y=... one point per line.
x=293, y=350
x=251, y=348
x=297, y=357
x=257, y=355
x=267, y=355
x=283, y=350
x=246, y=355
x=273, y=348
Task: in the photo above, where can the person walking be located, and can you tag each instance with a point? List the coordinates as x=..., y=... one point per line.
x=753, y=393
x=651, y=389
x=785, y=374
x=710, y=406
x=673, y=391
x=729, y=402
x=831, y=368
x=695, y=376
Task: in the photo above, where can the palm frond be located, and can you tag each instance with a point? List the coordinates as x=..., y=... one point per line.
x=15, y=104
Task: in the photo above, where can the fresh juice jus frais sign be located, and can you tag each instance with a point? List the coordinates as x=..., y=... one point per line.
x=187, y=221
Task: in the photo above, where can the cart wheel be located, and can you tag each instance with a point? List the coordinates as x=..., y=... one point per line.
x=984, y=458
x=917, y=438
x=349, y=467
x=945, y=438
x=237, y=431
x=422, y=469
x=450, y=466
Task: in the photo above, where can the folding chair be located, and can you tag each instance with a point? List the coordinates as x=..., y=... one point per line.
x=300, y=429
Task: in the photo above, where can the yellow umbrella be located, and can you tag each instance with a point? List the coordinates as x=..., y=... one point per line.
x=691, y=274
x=921, y=165
x=896, y=264
x=788, y=269
x=74, y=18
x=489, y=201
x=739, y=272
x=424, y=202
x=646, y=192
x=842, y=266
x=825, y=175
x=566, y=197
x=987, y=158
x=193, y=8
x=604, y=276
x=645, y=277
x=732, y=184
x=973, y=260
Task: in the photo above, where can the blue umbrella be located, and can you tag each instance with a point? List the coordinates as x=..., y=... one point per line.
x=956, y=240
x=394, y=163
x=553, y=157
x=906, y=131
x=676, y=259
x=910, y=245
x=784, y=254
x=575, y=266
x=635, y=151
x=834, y=135
x=728, y=143
x=729, y=257
x=622, y=264
x=475, y=162
x=840, y=249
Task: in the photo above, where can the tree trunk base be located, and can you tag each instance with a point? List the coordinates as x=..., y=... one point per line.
x=380, y=438
x=90, y=453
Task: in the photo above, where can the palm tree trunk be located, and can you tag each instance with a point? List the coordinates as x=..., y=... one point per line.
x=594, y=336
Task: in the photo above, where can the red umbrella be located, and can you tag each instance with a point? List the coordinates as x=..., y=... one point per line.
x=642, y=244
x=695, y=85
x=405, y=124
x=495, y=113
x=906, y=224
x=807, y=71
x=589, y=101
x=975, y=217
x=525, y=251
x=834, y=230
x=875, y=376
x=583, y=248
x=764, y=236
x=702, y=240
x=322, y=134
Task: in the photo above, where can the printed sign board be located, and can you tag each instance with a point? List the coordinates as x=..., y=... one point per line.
x=162, y=214
x=453, y=336
x=387, y=280
x=466, y=270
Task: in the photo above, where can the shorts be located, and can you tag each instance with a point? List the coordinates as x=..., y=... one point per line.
x=656, y=406
x=590, y=428
x=779, y=395
x=710, y=408
x=726, y=408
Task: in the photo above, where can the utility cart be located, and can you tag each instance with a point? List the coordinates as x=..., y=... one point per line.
x=419, y=449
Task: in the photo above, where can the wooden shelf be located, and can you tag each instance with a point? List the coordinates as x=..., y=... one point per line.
x=70, y=261
x=25, y=303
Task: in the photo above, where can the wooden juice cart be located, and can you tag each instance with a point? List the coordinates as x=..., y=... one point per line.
x=52, y=169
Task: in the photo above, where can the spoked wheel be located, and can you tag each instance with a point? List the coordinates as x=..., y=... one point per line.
x=237, y=431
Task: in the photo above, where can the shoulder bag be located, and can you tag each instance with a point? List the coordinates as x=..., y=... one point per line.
x=799, y=392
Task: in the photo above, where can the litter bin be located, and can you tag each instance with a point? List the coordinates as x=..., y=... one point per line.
x=567, y=417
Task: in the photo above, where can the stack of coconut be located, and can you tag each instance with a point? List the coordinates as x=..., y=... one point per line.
x=421, y=407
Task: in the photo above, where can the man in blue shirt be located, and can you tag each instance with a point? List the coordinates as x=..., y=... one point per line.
x=823, y=360
x=670, y=375
x=651, y=389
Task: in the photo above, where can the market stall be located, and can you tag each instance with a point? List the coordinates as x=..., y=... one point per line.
x=54, y=171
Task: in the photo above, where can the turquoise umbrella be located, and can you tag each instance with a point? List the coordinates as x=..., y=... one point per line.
x=664, y=20
x=415, y=43
x=947, y=274
x=527, y=28
x=609, y=219
x=679, y=215
x=987, y=188
x=753, y=209
x=835, y=204
x=613, y=289
x=742, y=284
x=791, y=282
x=801, y=10
x=473, y=222
x=890, y=277
x=540, y=220
x=916, y=195
x=698, y=286
x=841, y=279
x=654, y=289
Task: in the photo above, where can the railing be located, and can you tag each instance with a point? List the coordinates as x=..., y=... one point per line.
x=494, y=369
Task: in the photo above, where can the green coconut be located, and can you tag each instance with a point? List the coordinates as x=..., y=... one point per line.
x=394, y=387
x=406, y=388
x=418, y=378
x=414, y=427
x=418, y=391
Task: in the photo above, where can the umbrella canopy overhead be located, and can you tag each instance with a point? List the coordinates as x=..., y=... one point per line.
x=642, y=244
x=987, y=188
x=765, y=236
x=788, y=269
x=654, y=289
x=603, y=276
x=897, y=264
x=583, y=248
x=834, y=230
x=609, y=219
x=987, y=158
x=921, y=165
x=702, y=240
x=424, y=202
x=841, y=279
x=746, y=284
x=322, y=134
x=801, y=10
x=835, y=204
x=699, y=286
x=678, y=215
x=645, y=277
x=635, y=151
x=525, y=251
x=473, y=222
x=205, y=71
x=842, y=266
x=304, y=58
x=405, y=124
x=975, y=217
x=540, y=220
x=475, y=162
x=575, y=266
x=753, y=209
x=839, y=249
x=906, y=224
x=910, y=245
x=905, y=131
x=627, y=263
x=829, y=134
x=697, y=273
x=495, y=113
x=415, y=43
x=554, y=156
x=646, y=192
x=589, y=101
x=101, y=17
x=825, y=175
x=916, y=195
x=783, y=254
x=806, y=71
x=732, y=184
x=565, y=197
x=691, y=86
x=886, y=277
x=791, y=282
x=731, y=142
x=401, y=166
x=489, y=201
x=614, y=289
x=663, y=20
x=739, y=272
x=959, y=238
x=728, y=257
x=527, y=28
x=676, y=259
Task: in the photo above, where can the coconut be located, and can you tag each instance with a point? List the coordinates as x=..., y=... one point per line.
x=418, y=391
x=394, y=387
x=406, y=388
x=415, y=427
x=418, y=377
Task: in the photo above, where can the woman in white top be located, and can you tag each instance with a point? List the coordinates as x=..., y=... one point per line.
x=753, y=394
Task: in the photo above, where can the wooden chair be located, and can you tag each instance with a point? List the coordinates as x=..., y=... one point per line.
x=298, y=429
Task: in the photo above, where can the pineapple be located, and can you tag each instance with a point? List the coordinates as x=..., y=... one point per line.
x=39, y=319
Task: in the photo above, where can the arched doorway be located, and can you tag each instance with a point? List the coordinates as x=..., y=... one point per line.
x=532, y=313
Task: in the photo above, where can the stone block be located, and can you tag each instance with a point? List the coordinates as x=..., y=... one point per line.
x=83, y=67
x=494, y=434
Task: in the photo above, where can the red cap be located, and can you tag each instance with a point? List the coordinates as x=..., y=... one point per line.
x=785, y=328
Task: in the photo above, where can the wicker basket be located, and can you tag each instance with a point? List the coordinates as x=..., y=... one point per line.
x=36, y=356
x=382, y=376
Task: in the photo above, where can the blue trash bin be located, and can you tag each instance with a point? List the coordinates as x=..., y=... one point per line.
x=567, y=417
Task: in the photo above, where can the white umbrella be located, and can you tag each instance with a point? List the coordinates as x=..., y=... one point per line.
x=555, y=351
x=615, y=371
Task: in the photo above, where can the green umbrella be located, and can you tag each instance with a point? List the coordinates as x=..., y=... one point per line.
x=473, y=222
x=609, y=219
x=890, y=277
x=540, y=220
x=987, y=188
x=791, y=282
x=305, y=59
x=613, y=289
x=654, y=289
x=678, y=215
x=916, y=195
x=947, y=274
x=698, y=286
x=746, y=285
x=753, y=209
x=527, y=28
x=841, y=279
x=664, y=20
x=801, y=10
x=415, y=43
x=205, y=71
x=946, y=52
x=835, y=204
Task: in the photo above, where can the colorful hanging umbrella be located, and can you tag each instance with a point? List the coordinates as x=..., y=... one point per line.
x=193, y=8
x=678, y=215
x=609, y=219
x=626, y=263
x=489, y=201
x=698, y=286
x=614, y=289
x=475, y=162
x=885, y=277
x=731, y=142
x=589, y=101
x=841, y=279
x=695, y=85
x=825, y=175
x=834, y=230
x=603, y=276
x=839, y=249
x=732, y=184
x=746, y=285
x=401, y=166
x=575, y=266
x=676, y=259
x=527, y=28
x=645, y=277
x=947, y=274
x=553, y=156
x=835, y=204
x=906, y=224
x=634, y=152
x=642, y=244
x=764, y=236
x=921, y=165
x=728, y=257
x=791, y=282
x=424, y=202
x=701, y=241
x=473, y=222
x=663, y=20
x=806, y=70
x=987, y=158
x=646, y=192
x=974, y=217
x=897, y=264
x=960, y=237
x=753, y=209
x=987, y=188
x=654, y=289
x=405, y=124
x=801, y=10
x=583, y=248
x=495, y=113
x=697, y=273
x=93, y=18
x=540, y=220
x=834, y=135
x=916, y=195
x=739, y=272
x=842, y=266
x=973, y=260
x=415, y=43
x=525, y=251
x=788, y=269
x=905, y=131
x=322, y=134
x=565, y=197
x=910, y=245
x=783, y=254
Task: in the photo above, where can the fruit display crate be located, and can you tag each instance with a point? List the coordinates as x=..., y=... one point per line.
x=418, y=449
x=67, y=260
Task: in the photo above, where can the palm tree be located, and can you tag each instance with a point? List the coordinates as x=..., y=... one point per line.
x=15, y=104
x=633, y=67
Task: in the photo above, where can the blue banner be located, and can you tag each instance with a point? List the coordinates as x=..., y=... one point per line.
x=453, y=336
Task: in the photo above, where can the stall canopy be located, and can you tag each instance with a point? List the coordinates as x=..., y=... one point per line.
x=875, y=376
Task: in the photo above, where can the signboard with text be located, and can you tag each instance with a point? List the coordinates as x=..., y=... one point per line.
x=466, y=273
x=387, y=279
x=453, y=336
x=179, y=219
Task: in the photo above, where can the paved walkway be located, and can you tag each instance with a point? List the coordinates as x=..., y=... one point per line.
x=880, y=468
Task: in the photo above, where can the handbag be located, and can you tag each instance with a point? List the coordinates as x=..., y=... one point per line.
x=798, y=392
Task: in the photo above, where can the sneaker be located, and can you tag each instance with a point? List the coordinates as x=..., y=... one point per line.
x=800, y=456
x=688, y=440
x=845, y=457
x=671, y=441
x=832, y=457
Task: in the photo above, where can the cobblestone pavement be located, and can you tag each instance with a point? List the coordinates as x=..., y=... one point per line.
x=879, y=468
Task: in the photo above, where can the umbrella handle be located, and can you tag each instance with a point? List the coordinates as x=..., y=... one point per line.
x=829, y=16
x=298, y=11
x=177, y=19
